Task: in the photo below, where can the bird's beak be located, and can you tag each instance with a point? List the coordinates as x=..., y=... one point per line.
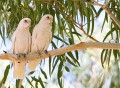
x=29, y=23
x=29, y=26
x=51, y=22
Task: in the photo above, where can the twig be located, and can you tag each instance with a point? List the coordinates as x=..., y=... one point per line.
x=112, y=16
x=90, y=20
x=73, y=21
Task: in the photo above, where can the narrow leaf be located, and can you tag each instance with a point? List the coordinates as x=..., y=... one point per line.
x=67, y=69
x=29, y=82
x=5, y=75
x=41, y=83
x=71, y=62
x=44, y=73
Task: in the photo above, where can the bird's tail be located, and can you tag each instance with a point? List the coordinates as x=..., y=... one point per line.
x=19, y=69
x=32, y=64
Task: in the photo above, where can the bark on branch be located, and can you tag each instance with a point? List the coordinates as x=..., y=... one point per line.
x=80, y=46
x=112, y=16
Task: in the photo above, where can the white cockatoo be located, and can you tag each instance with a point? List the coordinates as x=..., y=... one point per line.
x=21, y=45
x=41, y=37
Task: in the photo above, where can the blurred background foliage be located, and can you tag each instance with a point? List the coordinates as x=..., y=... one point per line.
x=74, y=21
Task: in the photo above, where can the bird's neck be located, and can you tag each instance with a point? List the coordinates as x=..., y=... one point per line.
x=23, y=29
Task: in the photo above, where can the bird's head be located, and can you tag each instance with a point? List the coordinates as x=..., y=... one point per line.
x=25, y=23
x=47, y=19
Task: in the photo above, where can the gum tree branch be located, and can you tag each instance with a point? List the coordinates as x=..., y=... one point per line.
x=80, y=46
x=112, y=16
x=74, y=22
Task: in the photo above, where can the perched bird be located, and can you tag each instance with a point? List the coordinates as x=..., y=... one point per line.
x=41, y=37
x=21, y=45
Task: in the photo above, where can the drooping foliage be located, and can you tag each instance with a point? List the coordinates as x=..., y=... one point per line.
x=71, y=17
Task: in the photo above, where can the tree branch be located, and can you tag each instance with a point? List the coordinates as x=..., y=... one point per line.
x=73, y=21
x=80, y=46
x=112, y=16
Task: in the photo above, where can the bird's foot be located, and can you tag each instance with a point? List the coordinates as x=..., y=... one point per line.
x=46, y=52
x=18, y=55
x=24, y=55
x=5, y=51
x=38, y=52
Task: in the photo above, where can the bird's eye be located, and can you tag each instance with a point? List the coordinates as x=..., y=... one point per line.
x=25, y=21
x=48, y=17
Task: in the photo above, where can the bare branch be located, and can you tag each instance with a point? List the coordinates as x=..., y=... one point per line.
x=63, y=50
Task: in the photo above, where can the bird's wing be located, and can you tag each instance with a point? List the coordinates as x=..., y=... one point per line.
x=13, y=42
x=29, y=43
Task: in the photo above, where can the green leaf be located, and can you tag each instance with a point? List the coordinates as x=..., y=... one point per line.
x=93, y=9
x=76, y=33
x=55, y=64
x=67, y=69
x=60, y=39
x=71, y=62
x=99, y=12
x=60, y=74
x=106, y=53
x=92, y=29
x=50, y=63
x=29, y=82
x=106, y=17
x=53, y=45
x=44, y=73
x=109, y=34
x=60, y=83
x=73, y=58
x=3, y=33
x=41, y=82
x=77, y=55
x=31, y=72
x=103, y=25
x=115, y=52
x=33, y=78
x=17, y=83
x=60, y=66
x=5, y=75
x=109, y=55
x=36, y=84
x=88, y=20
x=102, y=55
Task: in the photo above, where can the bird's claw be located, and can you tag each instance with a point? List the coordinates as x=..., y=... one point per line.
x=24, y=55
x=38, y=52
x=46, y=52
x=18, y=55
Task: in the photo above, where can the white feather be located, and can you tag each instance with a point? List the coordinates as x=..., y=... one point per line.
x=41, y=37
x=21, y=43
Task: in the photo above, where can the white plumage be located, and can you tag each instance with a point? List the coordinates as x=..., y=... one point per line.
x=21, y=44
x=41, y=37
